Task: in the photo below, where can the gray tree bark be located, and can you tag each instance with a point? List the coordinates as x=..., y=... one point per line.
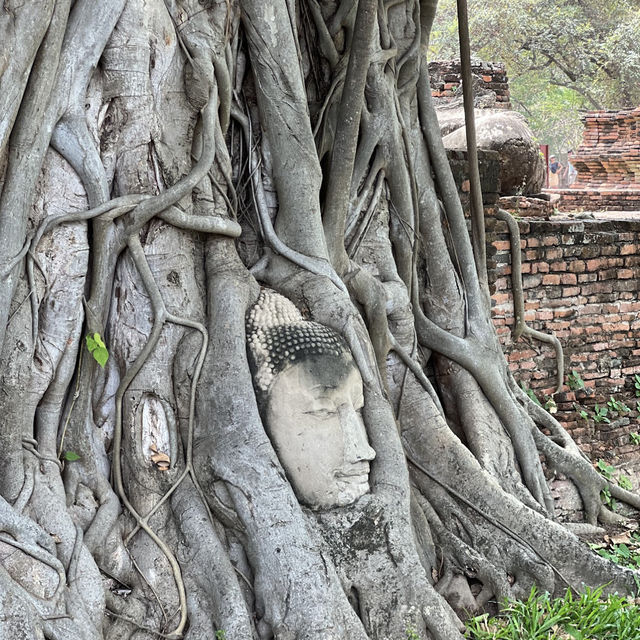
x=160, y=161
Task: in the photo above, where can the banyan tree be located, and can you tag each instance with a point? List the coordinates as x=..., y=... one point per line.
x=249, y=384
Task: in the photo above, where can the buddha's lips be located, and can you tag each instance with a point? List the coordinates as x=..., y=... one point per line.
x=358, y=472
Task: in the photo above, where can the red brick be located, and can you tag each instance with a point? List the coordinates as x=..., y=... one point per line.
x=610, y=327
x=553, y=254
x=551, y=279
x=596, y=263
x=568, y=278
x=558, y=325
x=522, y=355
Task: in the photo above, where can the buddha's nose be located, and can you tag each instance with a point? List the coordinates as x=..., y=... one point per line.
x=356, y=443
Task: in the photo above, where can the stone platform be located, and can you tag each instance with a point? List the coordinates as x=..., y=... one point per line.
x=591, y=199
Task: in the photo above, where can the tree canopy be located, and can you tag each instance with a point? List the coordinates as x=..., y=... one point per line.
x=561, y=56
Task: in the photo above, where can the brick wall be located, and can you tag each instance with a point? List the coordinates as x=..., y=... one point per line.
x=490, y=77
x=581, y=279
x=608, y=164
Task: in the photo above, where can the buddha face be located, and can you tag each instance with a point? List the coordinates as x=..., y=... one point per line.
x=313, y=420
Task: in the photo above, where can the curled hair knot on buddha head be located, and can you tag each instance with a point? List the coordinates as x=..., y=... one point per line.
x=278, y=336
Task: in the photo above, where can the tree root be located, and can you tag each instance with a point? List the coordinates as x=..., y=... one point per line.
x=520, y=327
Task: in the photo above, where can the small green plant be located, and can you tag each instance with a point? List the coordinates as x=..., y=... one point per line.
x=221, y=635
x=617, y=405
x=625, y=482
x=550, y=405
x=608, y=499
x=574, y=381
x=600, y=414
x=635, y=438
x=530, y=393
x=625, y=554
x=606, y=470
x=636, y=384
x=638, y=406
x=582, y=412
x=412, y=634
x=71, y=456
x=98, y=349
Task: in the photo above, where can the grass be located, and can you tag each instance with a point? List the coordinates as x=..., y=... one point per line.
x=587, y=616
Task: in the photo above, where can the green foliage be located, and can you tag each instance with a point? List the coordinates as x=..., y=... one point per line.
x=530, y=393
x=600, y=414
x=587, y=616
x=624, y=554
x=561, y=56
x=97, y=349
x=625, y=482
x=582, y=412
x=221, y=635
x=617, y=405
x=605, y=469
x=608, y=472
x=574, y=381
x=608, y=499
x=634, y=437
x=636, y=384
x=70, y=456
x=412, y=634
x=549, y=403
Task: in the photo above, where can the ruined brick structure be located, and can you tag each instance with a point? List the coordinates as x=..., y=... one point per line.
x=581, y=279
x=446, y=82
x=608, y=163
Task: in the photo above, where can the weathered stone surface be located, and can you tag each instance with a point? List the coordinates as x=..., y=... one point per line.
x=527, y=207
x=521, y=165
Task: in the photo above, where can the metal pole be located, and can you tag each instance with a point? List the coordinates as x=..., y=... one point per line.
x=477, y=209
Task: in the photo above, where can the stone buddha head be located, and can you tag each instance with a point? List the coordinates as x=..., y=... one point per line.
x=310, y=395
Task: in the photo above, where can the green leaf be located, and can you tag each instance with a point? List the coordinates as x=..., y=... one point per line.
x=70, y=456
x=625, y=482
x=92, y=345
x=576, y=634
x=97, y=349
